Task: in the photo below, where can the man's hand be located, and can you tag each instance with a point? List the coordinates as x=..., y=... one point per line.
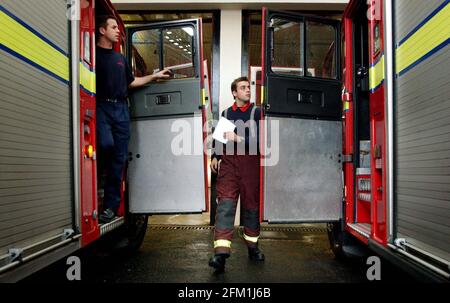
x=215, y=165
x=163, y=74
x=141, y=81
x=232, y=136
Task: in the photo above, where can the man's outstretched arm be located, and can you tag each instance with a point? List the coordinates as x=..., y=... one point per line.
x=141, y=81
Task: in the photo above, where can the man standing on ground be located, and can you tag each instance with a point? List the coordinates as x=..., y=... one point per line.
x=238, y=175
x=114, y=77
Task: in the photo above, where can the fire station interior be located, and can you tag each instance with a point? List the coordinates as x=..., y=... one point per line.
x=251, y=57
x=144, y=59
x=361, y=153
x=165, y=257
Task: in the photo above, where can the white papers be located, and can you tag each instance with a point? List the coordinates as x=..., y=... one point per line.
x=223, y=127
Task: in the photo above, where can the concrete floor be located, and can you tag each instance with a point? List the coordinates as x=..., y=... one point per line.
x=179, y=253
x=194, y=219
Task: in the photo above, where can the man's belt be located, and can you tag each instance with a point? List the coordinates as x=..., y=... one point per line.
x=115, y=100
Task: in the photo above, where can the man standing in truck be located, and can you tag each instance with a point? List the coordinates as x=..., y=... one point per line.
x=114, y=78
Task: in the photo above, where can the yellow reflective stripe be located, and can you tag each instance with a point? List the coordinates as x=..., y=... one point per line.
x=433, y=33
x=251, y=239
x=346, y=105
x=262, y=95
x=376, y=74
x=203, y=96
x=222, y=243
x=87, y=78
x=21, y=40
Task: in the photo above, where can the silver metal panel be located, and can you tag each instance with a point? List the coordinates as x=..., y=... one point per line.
x=388, y=113
x=435, y=187
x=432, y=149
x=408, y=13
x=161, y=181
x=417, y=140
x=422, y=119
x=26, y=269
x=37, y=15
x=35, y=137
x=422, y=142
x=431, y=246
x=75, y=93
x=408, y=226
x=34, y=231
x=428, y=220
x=306, y=184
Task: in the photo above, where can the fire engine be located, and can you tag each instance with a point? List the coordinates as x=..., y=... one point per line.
x=363, y=141
x=50, y=196
x=364, y=128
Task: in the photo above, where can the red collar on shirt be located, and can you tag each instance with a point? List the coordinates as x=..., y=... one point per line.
x=243, y=109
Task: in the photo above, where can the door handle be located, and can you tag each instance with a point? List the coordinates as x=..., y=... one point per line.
x=304, y=97
x=163, y=99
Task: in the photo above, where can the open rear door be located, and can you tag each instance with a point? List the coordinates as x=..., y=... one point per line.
x=167, y=166
x=302, y=169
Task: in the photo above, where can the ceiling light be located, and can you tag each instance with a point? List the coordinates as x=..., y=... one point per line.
x=189, y=30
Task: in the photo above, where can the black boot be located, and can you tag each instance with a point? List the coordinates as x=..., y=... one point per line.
x=255, y=254
x=218, y=262
x=107, y=216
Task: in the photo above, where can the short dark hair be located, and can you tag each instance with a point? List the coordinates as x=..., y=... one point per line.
x=102, y=22
x=236, y=81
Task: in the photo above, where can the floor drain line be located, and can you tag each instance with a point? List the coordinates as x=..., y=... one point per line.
x=264, y=228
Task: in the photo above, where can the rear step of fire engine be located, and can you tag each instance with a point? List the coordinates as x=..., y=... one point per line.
x=353, y=248
x=361, y=228
x=105, y=228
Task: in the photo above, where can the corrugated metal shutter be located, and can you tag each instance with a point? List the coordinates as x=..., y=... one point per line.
x=47, y=17
x=422, y=140
x=35, y=133
x=408, y=13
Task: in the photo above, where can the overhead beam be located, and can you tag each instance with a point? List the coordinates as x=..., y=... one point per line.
x=337, y=5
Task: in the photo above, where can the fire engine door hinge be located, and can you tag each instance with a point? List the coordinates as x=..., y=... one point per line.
x=67, y=233
x=377, y=151
x=15, y=254
x=346, y=96
x=347, y=158
x=378, y=157
x=400, y=243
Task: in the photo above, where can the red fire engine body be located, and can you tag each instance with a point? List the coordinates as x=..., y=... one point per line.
x=50, y=194
x=389, y=69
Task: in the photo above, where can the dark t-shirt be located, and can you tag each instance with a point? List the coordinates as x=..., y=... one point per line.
x=113, y=74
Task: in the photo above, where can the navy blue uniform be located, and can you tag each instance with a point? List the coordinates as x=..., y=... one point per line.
x=251, y=140
x=113, y=120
